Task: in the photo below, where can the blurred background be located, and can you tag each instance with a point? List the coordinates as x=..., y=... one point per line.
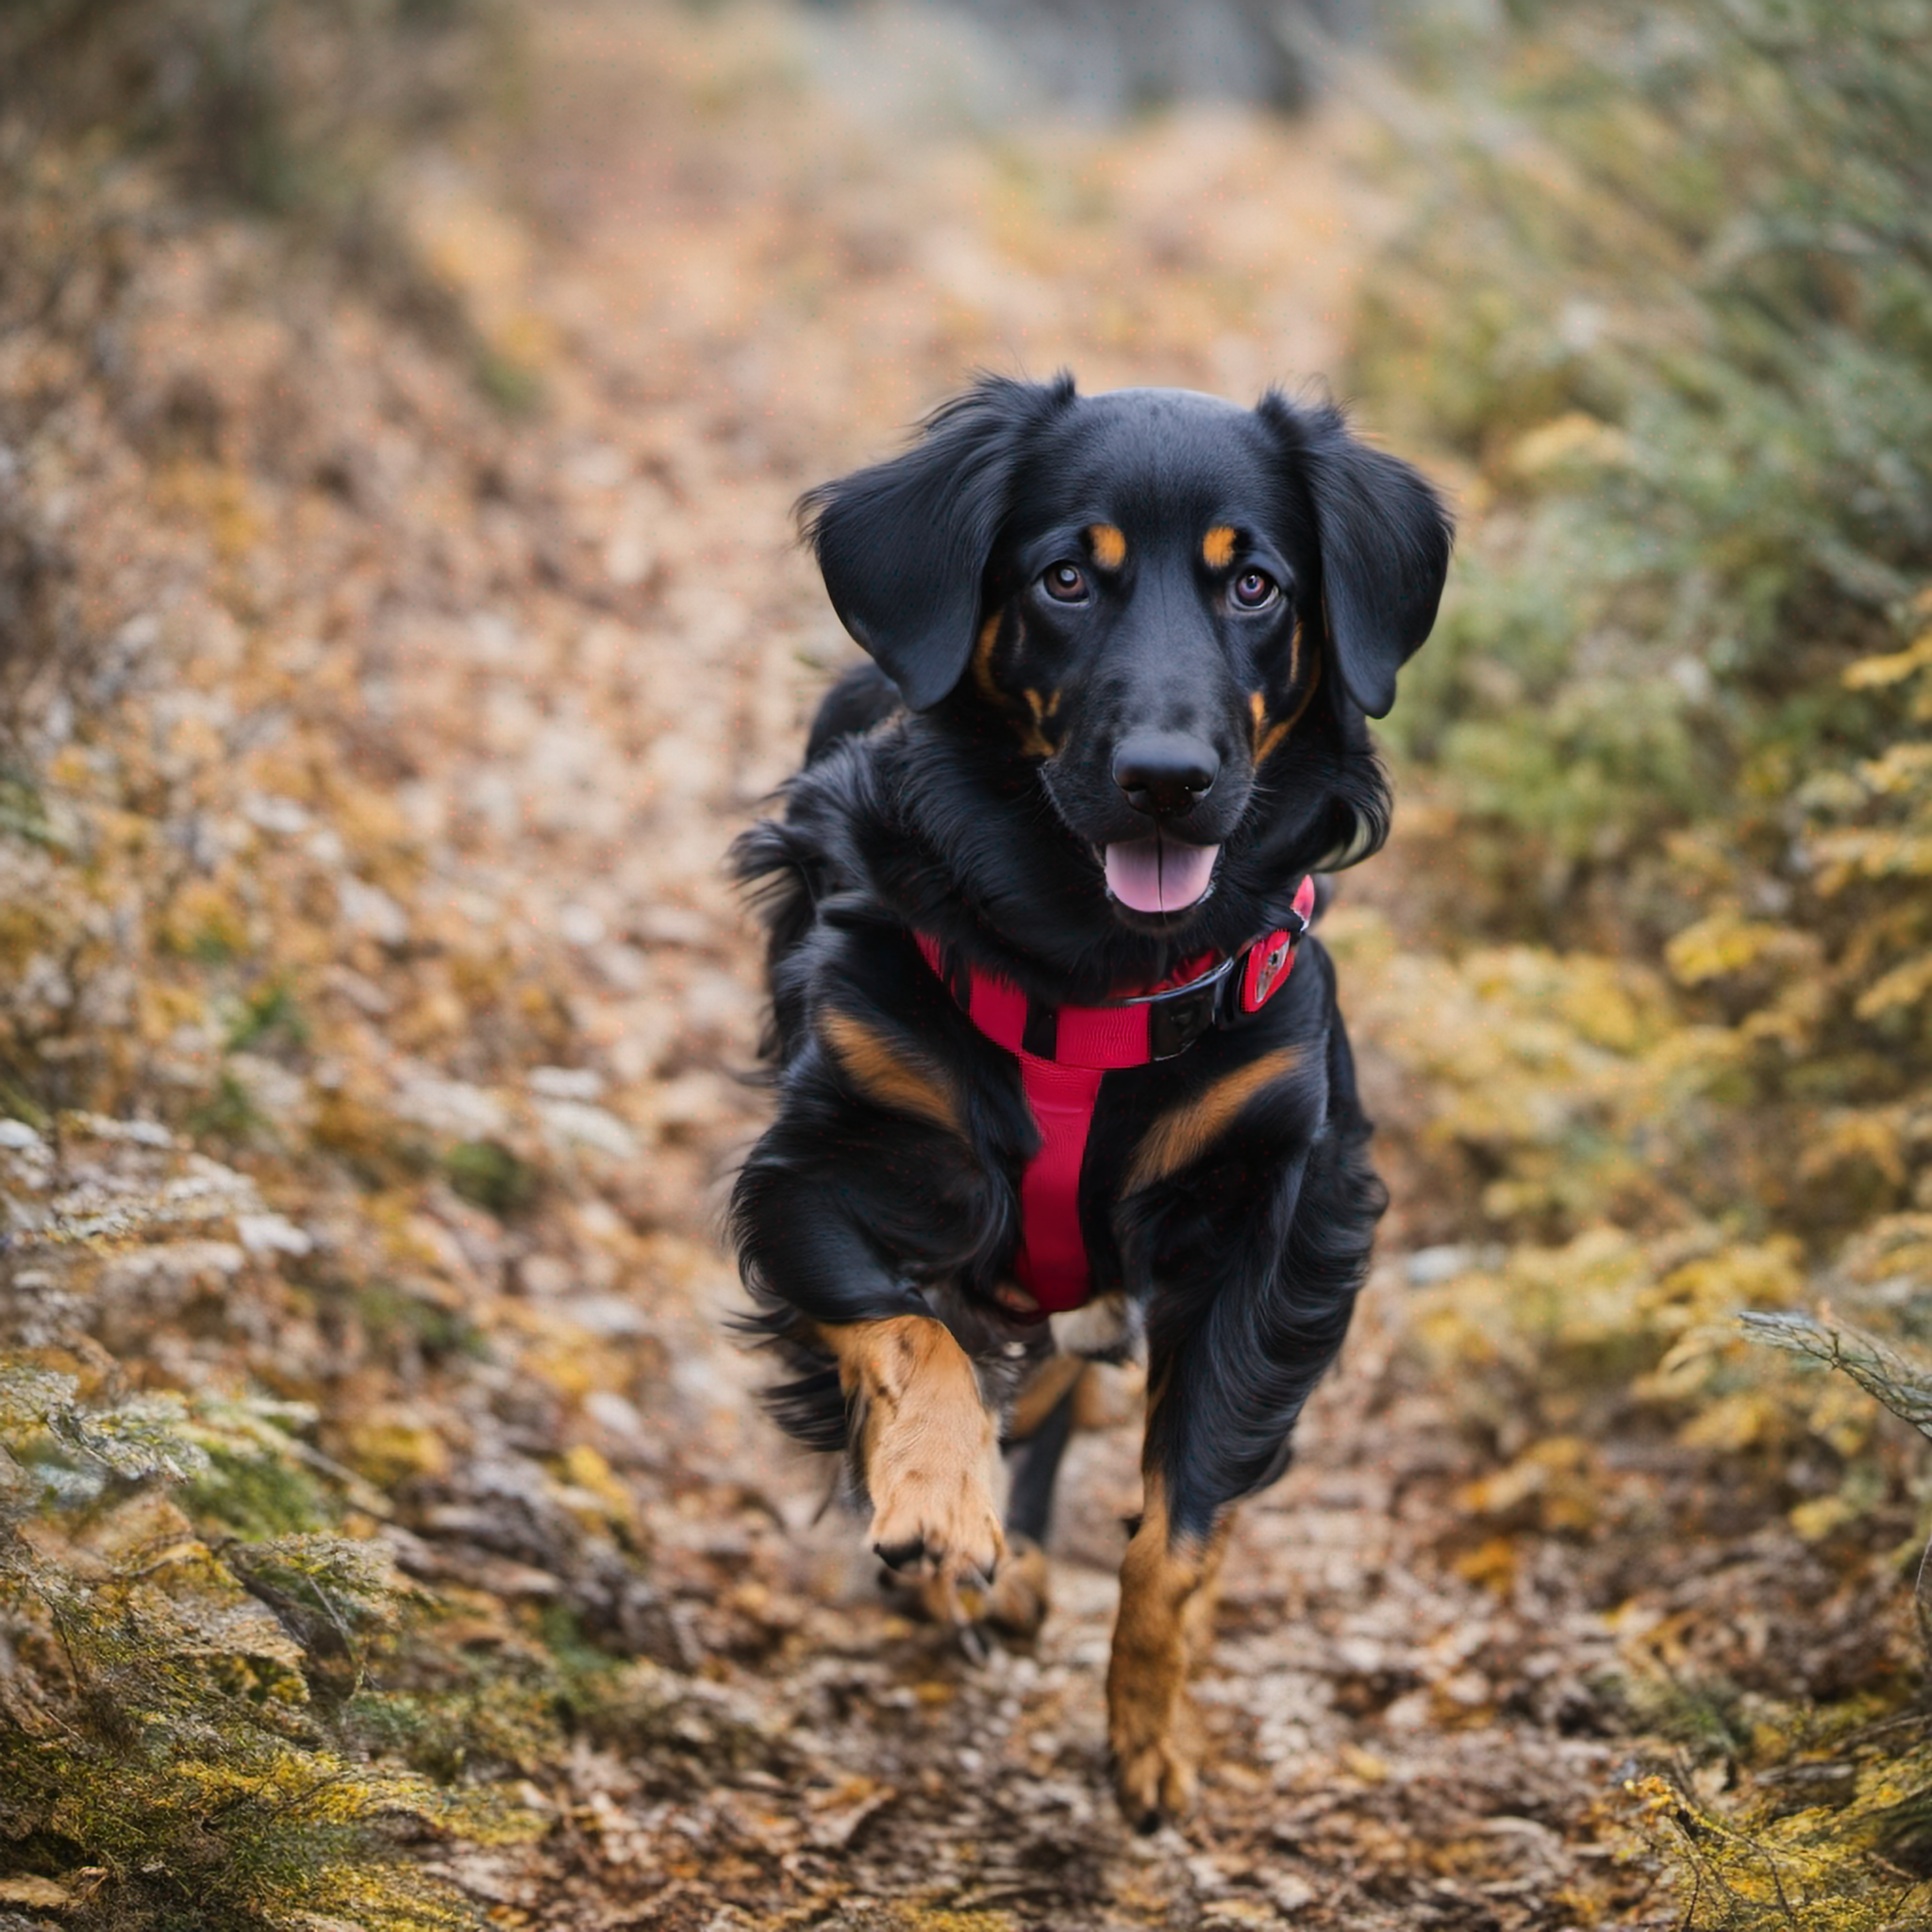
x=401, y=406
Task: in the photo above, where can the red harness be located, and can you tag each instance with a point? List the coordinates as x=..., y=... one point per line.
x=1066, y=1052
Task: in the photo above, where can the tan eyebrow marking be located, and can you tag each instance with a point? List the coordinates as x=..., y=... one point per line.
x=1217, y=548
x=1110, y=545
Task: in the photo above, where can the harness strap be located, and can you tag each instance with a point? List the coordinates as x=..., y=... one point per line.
x=1066, y=1052
x=1052, y=1263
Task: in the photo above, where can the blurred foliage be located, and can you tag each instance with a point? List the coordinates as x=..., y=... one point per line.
x=1669, y=304
x=1672, y=305
x=492, y=1175
x=1666, y=768
x=281, y=102
x=176, y=1731
x=220, y=1704
x=1676, y=303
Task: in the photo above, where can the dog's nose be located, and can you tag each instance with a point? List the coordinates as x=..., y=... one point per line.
x=1164, y=773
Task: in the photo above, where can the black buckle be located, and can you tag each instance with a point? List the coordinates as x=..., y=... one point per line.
x=1178, y=1017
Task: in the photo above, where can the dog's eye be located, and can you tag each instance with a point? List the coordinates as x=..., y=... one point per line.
x=1254, y=589
x=1066, y=582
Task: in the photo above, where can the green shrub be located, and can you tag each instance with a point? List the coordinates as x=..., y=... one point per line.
x=1675, y=299
x=1668, y=305
x=174, y=1744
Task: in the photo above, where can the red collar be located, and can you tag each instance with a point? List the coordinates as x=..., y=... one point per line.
x=1134, y=1030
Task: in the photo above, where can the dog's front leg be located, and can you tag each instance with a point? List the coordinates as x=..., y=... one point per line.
x=1231, y=1364
x=926, y=1445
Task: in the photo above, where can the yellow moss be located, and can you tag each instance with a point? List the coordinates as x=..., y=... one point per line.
x=390, y=1448
x=1734, y=1423
x=584, y=1469
x=1907, y=985
x=1757, y=1865
x=205, y=919
x=1492, y=1563
x=1551, y=1485
x=216, y=496
x=1854, y=1138
x=169, y=1746
x=1821, y=1516
x=1725, y=943
x=24, y=930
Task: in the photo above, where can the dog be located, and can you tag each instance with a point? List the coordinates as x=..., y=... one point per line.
x=1058, y=1076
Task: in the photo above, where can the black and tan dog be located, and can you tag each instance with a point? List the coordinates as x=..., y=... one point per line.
x=1048, y=1088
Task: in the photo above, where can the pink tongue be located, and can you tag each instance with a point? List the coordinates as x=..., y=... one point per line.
x=1158, y=876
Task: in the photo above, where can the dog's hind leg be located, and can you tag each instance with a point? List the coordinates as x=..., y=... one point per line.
x=1037, y=1442
x=1018, y=1602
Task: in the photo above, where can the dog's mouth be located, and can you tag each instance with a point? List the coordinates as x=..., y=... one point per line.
x=1159, y=875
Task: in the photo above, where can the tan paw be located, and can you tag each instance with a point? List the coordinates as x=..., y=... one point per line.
x=939, y=1523
x=928, y=1449
x=1154, y=1777
x=1014, y=1604
x=1017, y=1604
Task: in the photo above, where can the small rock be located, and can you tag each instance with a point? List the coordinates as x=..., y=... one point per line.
x=565, y=1083
x=451, y=1106
x=42, y=1892
x=274, y=1093
x=281, y=816
x=670, y=925
x=1291, y=1891
x=581, y=926
x=175, y=1264
x=575, y=1124
x=608, y=1315
x=370, y=910
x=1428, y=1266
x=272, y=1234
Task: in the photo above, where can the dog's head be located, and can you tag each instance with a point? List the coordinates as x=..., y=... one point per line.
x=1177, y=609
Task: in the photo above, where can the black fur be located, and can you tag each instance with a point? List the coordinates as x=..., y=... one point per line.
x=975, y=811
x=1036, y=1468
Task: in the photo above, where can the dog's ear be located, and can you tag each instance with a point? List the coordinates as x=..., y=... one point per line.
x=903, y=545
x=1385, y=536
